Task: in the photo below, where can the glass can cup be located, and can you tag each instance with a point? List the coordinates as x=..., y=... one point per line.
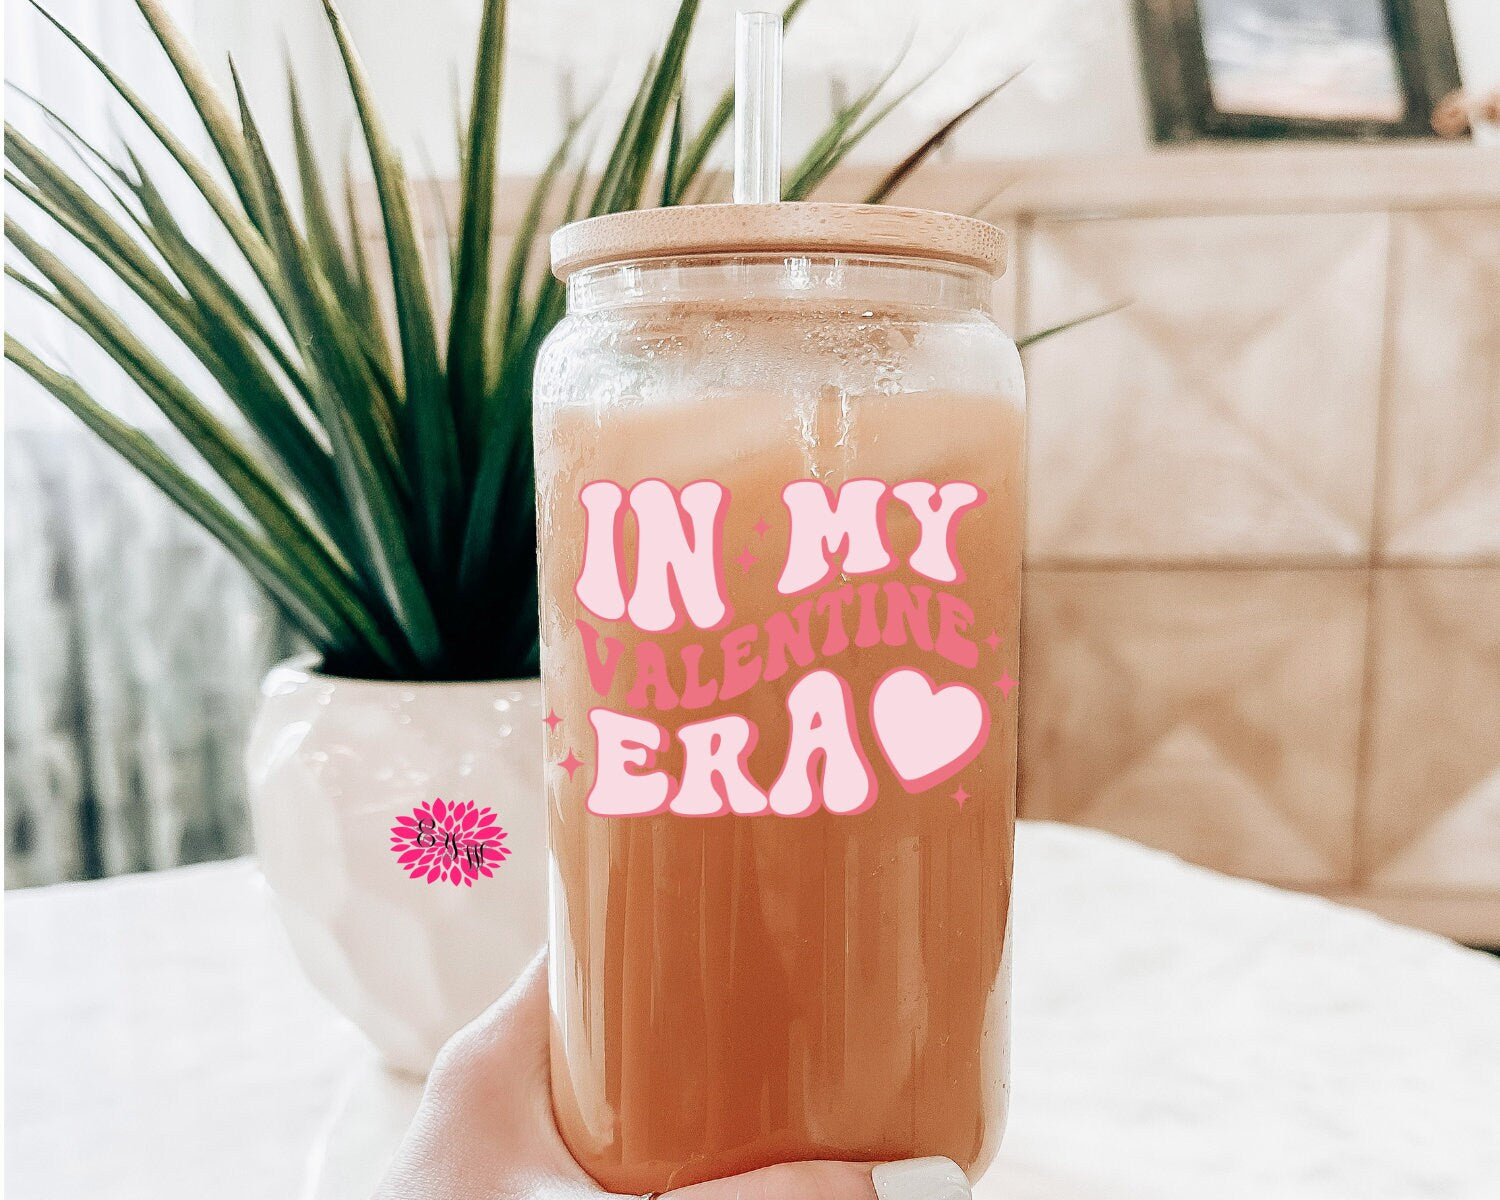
x=779, y=456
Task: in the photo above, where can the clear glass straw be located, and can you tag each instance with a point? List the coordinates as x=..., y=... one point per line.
x=757, y=108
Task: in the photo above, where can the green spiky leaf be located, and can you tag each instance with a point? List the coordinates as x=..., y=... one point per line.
x=467, y=342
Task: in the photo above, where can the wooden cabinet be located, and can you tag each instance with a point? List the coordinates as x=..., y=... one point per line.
x=1262, y=622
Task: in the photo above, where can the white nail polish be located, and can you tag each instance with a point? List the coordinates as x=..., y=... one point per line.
x=920, y=1179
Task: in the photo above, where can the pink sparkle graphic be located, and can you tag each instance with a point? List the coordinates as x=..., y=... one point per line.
x=449, y=843
x=961, y=796
x=571, y=764
x=1006, y=684
x=993, y=641
x=746, y=560
x=551, y=720
x=760, y=527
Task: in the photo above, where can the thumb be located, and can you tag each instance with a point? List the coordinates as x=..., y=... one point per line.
x=910, y=1179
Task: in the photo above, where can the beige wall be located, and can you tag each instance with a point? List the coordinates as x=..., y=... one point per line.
x=1262, y=623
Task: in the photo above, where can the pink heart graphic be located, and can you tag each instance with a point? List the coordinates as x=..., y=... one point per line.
x=927, y=733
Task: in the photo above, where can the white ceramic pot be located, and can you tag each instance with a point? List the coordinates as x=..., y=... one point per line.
x=335, y=765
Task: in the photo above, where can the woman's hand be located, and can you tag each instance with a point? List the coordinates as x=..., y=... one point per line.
x=485, y=1131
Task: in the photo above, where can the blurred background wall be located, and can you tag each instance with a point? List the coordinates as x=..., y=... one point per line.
x=1264, y=553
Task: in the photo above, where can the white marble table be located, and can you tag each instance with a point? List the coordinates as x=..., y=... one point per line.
x=1178, y=1036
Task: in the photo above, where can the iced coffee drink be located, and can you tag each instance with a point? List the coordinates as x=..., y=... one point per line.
x=779, y=469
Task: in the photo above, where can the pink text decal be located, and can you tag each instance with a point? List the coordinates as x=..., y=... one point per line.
x=841, y=588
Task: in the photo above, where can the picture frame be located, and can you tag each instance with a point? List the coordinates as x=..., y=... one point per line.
x=1269, y=69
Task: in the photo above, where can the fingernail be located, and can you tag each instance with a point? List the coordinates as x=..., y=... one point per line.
x=920, y=1179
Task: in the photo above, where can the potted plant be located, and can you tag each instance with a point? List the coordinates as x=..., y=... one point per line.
x=374, y=475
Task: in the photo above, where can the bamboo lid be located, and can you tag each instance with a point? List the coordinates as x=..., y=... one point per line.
x=790, y=227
